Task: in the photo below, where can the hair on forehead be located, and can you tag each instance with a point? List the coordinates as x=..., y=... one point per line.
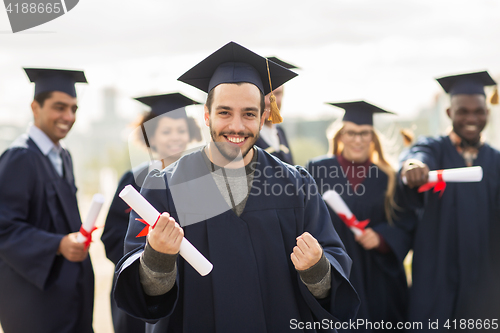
x=210, y=98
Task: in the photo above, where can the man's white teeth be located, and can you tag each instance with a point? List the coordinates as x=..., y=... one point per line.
x=235, y=140
x=471, y=127
x=63, y=126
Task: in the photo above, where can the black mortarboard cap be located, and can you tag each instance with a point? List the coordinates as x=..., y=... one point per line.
x=359, y=112
x=161, y=104
x=233, y=63
x=468, y=84
x=282, y=63
x=55, y=80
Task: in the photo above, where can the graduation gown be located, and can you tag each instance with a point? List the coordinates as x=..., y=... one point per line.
x=284, y=154
x=113, y=238
x=455, y=260
x=253, y=286
x=40, y=290
x=379, y=278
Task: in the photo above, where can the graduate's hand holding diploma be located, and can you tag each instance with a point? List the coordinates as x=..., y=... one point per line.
x=151, y=217
x=72, y=249
x=415, y=172
x=166, y=236
x=369, y=239
x=306, y=253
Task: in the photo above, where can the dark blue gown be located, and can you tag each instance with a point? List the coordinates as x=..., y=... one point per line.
x=285, y=154
x=40, y=291
x=253, y=286
x=113, y=237
x=455, y=261
x=379, y=278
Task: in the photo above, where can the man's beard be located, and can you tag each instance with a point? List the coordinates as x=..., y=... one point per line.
x=232, y=152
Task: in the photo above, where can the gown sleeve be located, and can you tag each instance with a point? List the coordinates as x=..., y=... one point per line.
x=128, y=292
x=425, y=150
x=343, y=301
x=115, y=228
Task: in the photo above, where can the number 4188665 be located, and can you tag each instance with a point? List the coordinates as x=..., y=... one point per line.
x=471, y=324
x=34, y=8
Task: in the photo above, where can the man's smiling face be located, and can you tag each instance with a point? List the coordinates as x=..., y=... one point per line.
x=56, y=116
x=235, y=119
x=469, y=115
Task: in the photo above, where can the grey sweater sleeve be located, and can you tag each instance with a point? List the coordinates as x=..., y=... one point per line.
x=318, y=278
x=157, y=271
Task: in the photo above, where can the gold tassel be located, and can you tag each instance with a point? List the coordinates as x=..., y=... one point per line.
x=274, y=116
x=494, y=97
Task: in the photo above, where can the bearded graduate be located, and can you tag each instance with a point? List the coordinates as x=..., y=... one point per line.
x=276, y=257
x=357, y=170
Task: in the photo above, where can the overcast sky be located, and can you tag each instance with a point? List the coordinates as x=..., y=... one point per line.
x=384, y=51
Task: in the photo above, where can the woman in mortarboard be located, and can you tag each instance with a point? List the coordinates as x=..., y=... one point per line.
x=166, y=132
x=358, y=171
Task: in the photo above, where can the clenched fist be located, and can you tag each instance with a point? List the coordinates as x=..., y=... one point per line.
x=307, y=252
x=166, y=236
x=416, y=172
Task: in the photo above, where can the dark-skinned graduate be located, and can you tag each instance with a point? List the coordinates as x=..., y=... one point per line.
x=455, y=260
x=357, y=170
x=47, y=281
x=278, y=263
x=165, y=131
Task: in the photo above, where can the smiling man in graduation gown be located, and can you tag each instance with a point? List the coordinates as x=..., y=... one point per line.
x=455, y=257
x=47, y=282
x=277, y=261
x=272, y=136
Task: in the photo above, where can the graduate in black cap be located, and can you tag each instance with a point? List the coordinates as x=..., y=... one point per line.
x=272, y=136
x=456, y=240
x=47, y=281
x=166, y=131
x=357, y=170
x=278, y=263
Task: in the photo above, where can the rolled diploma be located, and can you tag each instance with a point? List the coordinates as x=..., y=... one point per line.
x=335, y=201
x=149, y=214
x=457, y=175
x=89, y=223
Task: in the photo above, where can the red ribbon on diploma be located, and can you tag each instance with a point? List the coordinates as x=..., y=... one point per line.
x=353, y=222
x=438, y=186
x=87, y=235
x=145, y=231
